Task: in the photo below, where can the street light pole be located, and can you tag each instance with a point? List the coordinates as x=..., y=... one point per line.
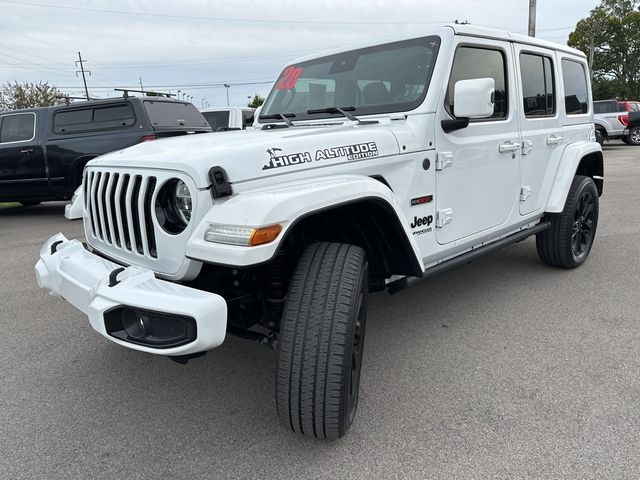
x=226, y=85
x=532, y=18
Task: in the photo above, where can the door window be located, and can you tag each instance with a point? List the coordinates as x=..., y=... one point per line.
x=537, y=85
x=477, y=62
x=17, y=128
x=576, y=93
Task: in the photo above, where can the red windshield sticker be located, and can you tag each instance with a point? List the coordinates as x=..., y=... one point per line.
x=289, y=78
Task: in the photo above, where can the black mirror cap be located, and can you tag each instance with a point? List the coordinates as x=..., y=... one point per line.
x=456, y=124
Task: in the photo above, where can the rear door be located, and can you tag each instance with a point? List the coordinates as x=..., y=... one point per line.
x=478, y=166
x=22, y=168
x=542, y=140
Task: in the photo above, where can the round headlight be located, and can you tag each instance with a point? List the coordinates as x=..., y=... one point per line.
x=173, y=206
x=183, y=201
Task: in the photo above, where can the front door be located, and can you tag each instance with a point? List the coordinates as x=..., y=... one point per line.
x=478, y=167
x=22, y=169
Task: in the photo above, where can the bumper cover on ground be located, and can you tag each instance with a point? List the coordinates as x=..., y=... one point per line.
x=82, y=278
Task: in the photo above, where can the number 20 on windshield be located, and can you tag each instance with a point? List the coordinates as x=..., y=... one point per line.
x=289, y=78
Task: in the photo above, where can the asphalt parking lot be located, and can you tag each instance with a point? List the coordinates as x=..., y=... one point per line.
x=503, y=368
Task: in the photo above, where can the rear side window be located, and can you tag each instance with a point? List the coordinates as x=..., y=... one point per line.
x=94, y=118
x=576, y=93
x=475, y=62
x=607, y=107
x=17, y=128
x=217, y=119
x=172, y=115
x=537, y=85
x=114, y=116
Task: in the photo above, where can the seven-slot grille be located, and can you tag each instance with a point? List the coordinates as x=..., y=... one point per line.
x=119, y=209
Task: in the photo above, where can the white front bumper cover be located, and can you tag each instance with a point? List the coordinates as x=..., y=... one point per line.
x=82, y=278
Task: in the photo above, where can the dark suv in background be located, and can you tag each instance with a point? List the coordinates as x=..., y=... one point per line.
x=43, y=151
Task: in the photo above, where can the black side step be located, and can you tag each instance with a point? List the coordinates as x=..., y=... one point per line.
x=407, y=282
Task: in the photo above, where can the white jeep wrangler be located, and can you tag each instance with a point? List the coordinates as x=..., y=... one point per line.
x=373, y=169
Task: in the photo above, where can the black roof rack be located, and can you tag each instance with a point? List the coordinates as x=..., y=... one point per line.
x=148, y=93
x=67, y=98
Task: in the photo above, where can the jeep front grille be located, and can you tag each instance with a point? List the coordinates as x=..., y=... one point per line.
x=119, y=210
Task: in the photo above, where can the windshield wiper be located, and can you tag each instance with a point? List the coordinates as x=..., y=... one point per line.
x=344, y=111
x=280, y=116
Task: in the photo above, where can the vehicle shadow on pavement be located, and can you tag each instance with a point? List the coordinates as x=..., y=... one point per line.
x=44, y=209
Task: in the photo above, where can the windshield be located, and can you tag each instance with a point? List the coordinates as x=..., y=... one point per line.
x=386, y=78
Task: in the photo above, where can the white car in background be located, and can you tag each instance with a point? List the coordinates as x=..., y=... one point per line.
x=228, y=118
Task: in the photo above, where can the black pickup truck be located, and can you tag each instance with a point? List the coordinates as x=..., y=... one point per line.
x=43, y=151
x=632, y=133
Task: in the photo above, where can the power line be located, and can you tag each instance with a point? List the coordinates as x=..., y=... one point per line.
x=35, y=39
x=216, y=19
x=190, y=86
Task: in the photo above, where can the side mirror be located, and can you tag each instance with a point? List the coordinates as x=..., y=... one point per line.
x=474, y=98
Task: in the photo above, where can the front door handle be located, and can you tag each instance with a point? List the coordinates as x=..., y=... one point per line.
x=28, y=151
x=509, y=147
x=553, y=140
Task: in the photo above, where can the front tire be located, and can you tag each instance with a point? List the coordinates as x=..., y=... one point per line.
x=634, y=137
x=569, y=240
x=321, y=341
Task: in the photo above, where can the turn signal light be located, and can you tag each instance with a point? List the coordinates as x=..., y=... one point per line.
x=263, y=235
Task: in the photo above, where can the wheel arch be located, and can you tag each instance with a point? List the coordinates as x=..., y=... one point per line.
x=77, y=169
x=348, y=209
x=584, y=158
x=370, y=223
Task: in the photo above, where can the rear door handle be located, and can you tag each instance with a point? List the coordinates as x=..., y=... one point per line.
x=553, y=140
x=509, y=147
x=27, y=151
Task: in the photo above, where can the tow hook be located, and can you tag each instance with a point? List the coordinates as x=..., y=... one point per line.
x=183, y=359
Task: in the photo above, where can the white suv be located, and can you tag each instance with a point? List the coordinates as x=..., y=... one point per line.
x=375, y=167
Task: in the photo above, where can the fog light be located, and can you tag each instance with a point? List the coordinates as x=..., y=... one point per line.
x=152, y=329
x=135, y=324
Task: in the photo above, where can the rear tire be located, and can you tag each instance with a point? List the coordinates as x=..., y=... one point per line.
x=569, y=240
x=321, y=341
x=600, y=136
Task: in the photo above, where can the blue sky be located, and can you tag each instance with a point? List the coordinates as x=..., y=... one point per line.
x=196, y=46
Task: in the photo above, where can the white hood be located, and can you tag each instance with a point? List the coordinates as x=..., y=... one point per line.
x=251, y=154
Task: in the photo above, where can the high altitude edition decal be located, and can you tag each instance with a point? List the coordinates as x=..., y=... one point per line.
x=351, y=152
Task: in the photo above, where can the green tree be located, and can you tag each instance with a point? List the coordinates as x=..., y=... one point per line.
x=14, y=96
x=256, y=101
x=613, y=31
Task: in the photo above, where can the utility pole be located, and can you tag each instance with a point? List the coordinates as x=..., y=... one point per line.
x=226, y=85
x=83, y=71
x=532, y=18
x=591, y=49
x=141, y=87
